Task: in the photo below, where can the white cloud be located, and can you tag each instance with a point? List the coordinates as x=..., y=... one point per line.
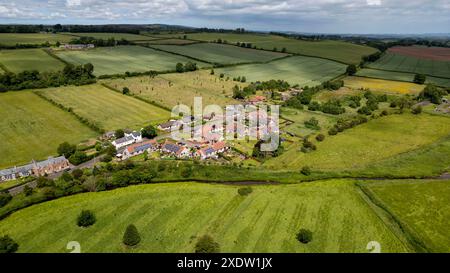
x=374, y=2
x=73, y=3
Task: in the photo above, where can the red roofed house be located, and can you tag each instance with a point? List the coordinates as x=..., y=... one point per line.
x=139, y=148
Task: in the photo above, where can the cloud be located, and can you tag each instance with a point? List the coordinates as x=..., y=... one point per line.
x=73, y=3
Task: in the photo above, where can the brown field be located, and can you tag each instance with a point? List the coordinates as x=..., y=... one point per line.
x=421, y=52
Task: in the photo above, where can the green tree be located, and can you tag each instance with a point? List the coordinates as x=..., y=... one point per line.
x=131, y=236
x=206, y=244
x=77, y=173
x=351, y=69
x=179, y=68
x=4, y=198
x=420, y=78
x=27, y=190
x=245, y=191
x=304, y=236
x=66, y=149
x=78, y=157
x=86, y=218
x=306, y=171
x=149, y=132
x=416, y=110
x=8, y=245
x=119, y=133
x=126, y=91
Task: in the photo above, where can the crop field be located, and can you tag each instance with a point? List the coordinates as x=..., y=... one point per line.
x=117, y=36
x=222, y=54
x=383, y=86
x=341, y=93
x=120, y=59
x=295, y=70
x=422, y=52
x=399, y=76
x=32, y=128
x=11, y=39
x=300, y=116
x=18, y=60
x=422, y=206
x=168, y=221
x=170, y=41
x=334, y=50
x=368, y=143
x=106, y=108
x=402, y=63
x=170, y=90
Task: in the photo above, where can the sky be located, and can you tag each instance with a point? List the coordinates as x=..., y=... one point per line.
x=314, y=16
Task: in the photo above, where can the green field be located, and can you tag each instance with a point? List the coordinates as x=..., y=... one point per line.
x=300, y=116
x=11, y=39
x=120, y=59
x=402, y=63
x=106, y=108
x=32, y=128
x=171, y=216
x=383, y=86
x=170, y=90
x=295, y=70
x=170, y=41
x=18, y=60
x=399, y=76
x=334, y=50
x=369, y=143
x=117, y=36
x=423, y=207
x=222, y=54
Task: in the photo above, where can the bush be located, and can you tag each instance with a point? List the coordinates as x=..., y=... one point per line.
x=206, y=244
x=306, y=171
x=78, y=157
x=4, y=199
x=245, y=191
x=66, y=149
x=304, y=236
x=125, y=91
x=131, y=236
x=420, y=78
x=149, y=132
x=86, y=218
x=77, y=173
x=351, y=69
x=320, y=137
x=416, y=110
x=333, y=131
x=27, y=190
x=8, y=245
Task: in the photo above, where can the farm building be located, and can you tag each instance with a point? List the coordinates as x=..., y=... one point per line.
x=77, y=46
x=41, y=168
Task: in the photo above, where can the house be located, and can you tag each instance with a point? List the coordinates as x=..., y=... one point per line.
x=128, y=139
x=170, y=148
x=167, y=125
x=139, y=148
x=212, y=151
x=206, y=153
x=256, y=100
x=41, y=168
x=183, y=152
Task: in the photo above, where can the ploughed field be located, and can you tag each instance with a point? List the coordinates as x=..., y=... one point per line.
x=18, y=60
x=172, y=216
x=11, y=39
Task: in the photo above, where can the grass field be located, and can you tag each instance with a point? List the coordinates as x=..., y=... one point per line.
x=18, y=60
x=120, y=59
x=11, y=39
x=403, y=63
x=384, y=86
x=170, y=41
x=399, y=76
x=172, y=89
x=117, y=36
x=170, y=222
x=300, y=116
x=106, y=108
x=32, y=128
x=296, y=70
x=222, y=54
x=422, y=206
x=369, y=143
x=335, y=50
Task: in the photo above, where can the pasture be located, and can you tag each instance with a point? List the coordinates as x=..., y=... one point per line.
x=120, y=59
x=298, y=117
x=368, y=143
x=170, y=90
x=383, y=86
x=116, y=36
x=11, y=39
x=32, y=128
x=222, y=54
x=399, y=76
x=170, y=41
x=422, y=206
x=18, y=60
x=295, y=70
x=106, y=108
x=171, y=222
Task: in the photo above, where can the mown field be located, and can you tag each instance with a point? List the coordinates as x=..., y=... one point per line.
x=120, y=59
x=335, y=50
x=295, y=70
x=18, y=60
x=222, y=54
x=32, y=128
x=117, y=36
x=399, y=76
x=169, y=221
x=422, y=206
x=170, y=90
x=106, y=108
x=384, y=86
x=366, y=144
x=403, y=63
x=11, y=39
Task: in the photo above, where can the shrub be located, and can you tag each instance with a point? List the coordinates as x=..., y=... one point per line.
x=306, y=171
x=333, y=131
x=320, y=137
x=416, y=110
x=66, y=149
x=351, y=69
x=420, y=78
x=77, y=173
x=304, y=236
x=8, y=245
x=125, y=91
x=206, y=244
x=4, y=199
x=86, y=218
x=27, y=190
x=245, y=191
x=312, y=123
x=149, y=132
x=131, y=236
x=78, y=157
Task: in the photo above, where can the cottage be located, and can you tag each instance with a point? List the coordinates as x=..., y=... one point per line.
x=167, y=125
x=256, y=100
x=139, y=148
x=128, y=139
x=170, y=148
x=49, y=166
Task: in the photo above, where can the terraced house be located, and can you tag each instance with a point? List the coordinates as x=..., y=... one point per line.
x=41, y=168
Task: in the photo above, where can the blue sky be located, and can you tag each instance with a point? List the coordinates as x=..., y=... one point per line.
x=329, y=16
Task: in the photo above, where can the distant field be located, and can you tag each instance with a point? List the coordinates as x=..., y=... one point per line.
x=117, y=36
x=171, y=217
x=422, y=206
x=422, y=52
x=341, y=93
x=402, y=63
x=169, y=41
x=335, y=50
x=172, y=89
x=32, y=128
x=18, y=60
x=120, y=59
x=11, y=39
x=108, y=109
x=384, y=86
x=222, y=54
x=369, y=143
x=399, y=76
x=296, y=70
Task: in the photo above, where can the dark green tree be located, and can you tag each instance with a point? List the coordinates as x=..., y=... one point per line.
x=149, y=132
x=8, y=245
x=351, y=69
x=131, y=236
x=420, y=78
x=304, y=236
x=66, y=149
x=86, y=218
x=206, y=244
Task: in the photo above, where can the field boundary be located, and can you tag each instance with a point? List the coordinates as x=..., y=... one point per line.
x=411, y=73
x=4, y=68
x=51, y=54
x=174, y=53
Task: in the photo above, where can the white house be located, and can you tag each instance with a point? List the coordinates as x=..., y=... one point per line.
x=128, y=139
